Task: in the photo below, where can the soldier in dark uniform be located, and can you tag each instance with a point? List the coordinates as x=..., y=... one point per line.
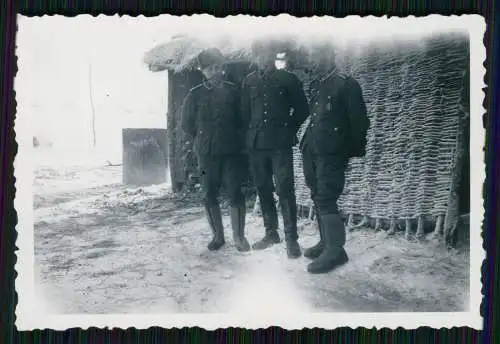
x=212, y=118
x=326, y=147
x=274, y=106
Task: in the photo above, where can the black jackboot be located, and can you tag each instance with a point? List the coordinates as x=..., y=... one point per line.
x=238, y=223
x=314, y=251
x=333, y=254
x=270, y=217
x=289, y=212
x=214, y=217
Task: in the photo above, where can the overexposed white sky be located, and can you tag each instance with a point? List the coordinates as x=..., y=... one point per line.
x=54, y=54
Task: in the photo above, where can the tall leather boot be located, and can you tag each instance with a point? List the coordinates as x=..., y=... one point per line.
x=314, y=251
x=270, y=216
x=238, y=214
x=214, y=217
x=333, y=255
x=289, y=212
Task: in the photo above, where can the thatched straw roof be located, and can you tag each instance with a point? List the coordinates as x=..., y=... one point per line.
x=180, y=52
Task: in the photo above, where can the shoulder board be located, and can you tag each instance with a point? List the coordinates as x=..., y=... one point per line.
x=286, y=72
x=332, y=75
x=343, y=76
x=196, y=87
x=288, y=75
x=252, y=73
x=248, y=76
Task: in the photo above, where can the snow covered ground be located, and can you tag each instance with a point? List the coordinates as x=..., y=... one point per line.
x=101, y=247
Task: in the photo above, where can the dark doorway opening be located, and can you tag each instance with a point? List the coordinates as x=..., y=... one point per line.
x=465, y=182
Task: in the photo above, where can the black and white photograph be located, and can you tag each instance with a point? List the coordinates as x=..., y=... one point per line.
x=249, y=171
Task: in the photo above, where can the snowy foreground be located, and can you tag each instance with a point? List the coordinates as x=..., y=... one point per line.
x=101, y=247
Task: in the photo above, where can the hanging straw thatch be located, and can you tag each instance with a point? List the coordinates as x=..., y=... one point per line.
x=181, y=51
x=178, y=54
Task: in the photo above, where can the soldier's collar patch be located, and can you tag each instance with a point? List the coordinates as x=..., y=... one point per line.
x=265, y=72
x=209, y=84
x=328, y=75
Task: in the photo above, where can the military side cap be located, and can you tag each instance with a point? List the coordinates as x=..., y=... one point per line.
x=258, y=46
x=322, y=47
x=209, y=57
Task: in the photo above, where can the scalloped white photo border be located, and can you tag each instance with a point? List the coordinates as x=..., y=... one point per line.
x=29, y=316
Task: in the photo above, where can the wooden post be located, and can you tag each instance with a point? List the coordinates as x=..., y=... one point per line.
x=392, y=226
x=438, y=229
x=408, y=229
x=311, y=213
x=92, y=108
x=452, y=211
x=451, y=218
x=420, y=228
x=256, y=205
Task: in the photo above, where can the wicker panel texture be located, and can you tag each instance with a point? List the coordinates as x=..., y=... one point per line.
x=412, y=92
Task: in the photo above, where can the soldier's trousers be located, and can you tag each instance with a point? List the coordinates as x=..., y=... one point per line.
x=264, y=164
x=325, y=177
x=216, y=171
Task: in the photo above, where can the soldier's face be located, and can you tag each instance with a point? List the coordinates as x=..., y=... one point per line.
x=322, y=58
x=212, y=72
x=322, y=63
x=265, y=59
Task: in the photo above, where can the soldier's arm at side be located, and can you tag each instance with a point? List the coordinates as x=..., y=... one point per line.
x=298, y=101
x=355, y=105
x=244, y=112
x=188, y=113
x=237, y=109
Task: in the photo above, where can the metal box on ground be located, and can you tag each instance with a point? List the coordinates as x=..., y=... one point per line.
x=145, y=156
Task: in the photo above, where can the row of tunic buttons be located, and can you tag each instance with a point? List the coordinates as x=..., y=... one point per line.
x=335, y=128
x=316, y=92
x=265, y=104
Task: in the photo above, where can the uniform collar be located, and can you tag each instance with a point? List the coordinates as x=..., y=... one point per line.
x=265, y=72
x=208, y=84
x=327, y=75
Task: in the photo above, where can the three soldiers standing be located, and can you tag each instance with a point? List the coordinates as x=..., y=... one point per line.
x=263, y=117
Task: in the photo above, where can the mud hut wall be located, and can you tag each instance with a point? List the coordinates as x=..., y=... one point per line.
x=179, y=85
x=412, y=96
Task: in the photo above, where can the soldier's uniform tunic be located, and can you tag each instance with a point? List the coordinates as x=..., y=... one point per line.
x=326, y=147
x=325, y=144
x=273, y=107
x=212, y=118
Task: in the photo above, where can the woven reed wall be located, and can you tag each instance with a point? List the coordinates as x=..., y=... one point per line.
x=412, y=93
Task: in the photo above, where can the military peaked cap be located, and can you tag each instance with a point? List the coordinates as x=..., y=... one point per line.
x=209, y=57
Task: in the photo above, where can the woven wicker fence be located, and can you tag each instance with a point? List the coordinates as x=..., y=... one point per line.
x=412, y=92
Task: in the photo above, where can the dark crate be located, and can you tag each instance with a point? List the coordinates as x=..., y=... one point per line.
x=145, y=157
